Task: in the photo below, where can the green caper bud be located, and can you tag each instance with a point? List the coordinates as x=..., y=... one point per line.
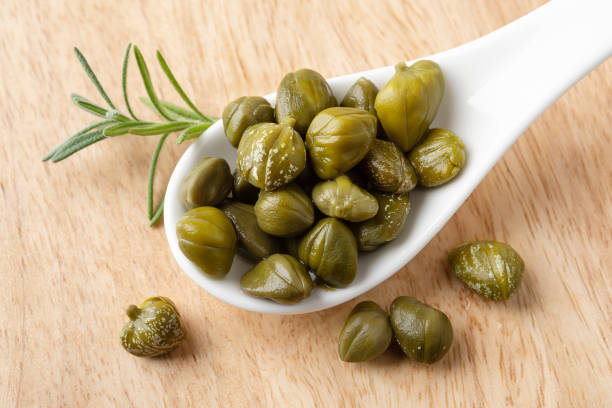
x=361, y=95
x=330, y=250
x=243, y=112
x=424, y=333
x=242, y=190
x=492, y=269
x=280, y=278
x=341, y=198
x=393, y=210
x=284, y=212
x=438, y=158
x=207, y=238
x=155, y=328
x=387, y=168
x=208, y=183
x=251, y=238
x=338, y=138
x=408, y=103
x=366, y=334
x=271, y=155
x=301, y=95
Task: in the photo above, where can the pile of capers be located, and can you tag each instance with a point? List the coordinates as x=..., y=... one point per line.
x=492, y=269
x=424, y=333
x=315, y=183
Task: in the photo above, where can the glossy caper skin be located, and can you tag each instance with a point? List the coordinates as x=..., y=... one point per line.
x=154, y=328
x=424, y=333
x=242, y=190
x=387, y=169
x=285, y=212
x=366, y=333
x=492, y=269
x=243, y=112
x=408, y=103
x=208, y=183
x=330, y=250
x=301, y=95
x=438, y=157
x=361, y=95
x=280, y=278
x=207, y=238
x=251, y=239
x=271, y=155
x=393, y=210
x=341, y=198
x=338, y=138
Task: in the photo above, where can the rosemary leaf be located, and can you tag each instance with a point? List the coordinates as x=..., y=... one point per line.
x=49, y=155
x=88, y=106
x=146, y=79
x=152, y=175
x=93, y=77
x=124, y=68
x=177, y=87
x=177, y=112
x=160, y=128
x=124, y=128
x=71, y=139
x=193, y=132
x=76, y=144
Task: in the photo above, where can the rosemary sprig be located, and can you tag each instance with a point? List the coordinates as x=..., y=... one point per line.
x=190, y=122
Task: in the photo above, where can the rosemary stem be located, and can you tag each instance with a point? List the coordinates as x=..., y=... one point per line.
x=160, y=144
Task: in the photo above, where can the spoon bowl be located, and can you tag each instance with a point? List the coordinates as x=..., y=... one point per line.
x=495, y=87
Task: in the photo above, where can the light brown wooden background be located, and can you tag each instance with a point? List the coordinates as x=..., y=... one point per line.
x=76, y=248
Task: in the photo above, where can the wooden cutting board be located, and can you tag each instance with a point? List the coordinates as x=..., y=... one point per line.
x=76, y=247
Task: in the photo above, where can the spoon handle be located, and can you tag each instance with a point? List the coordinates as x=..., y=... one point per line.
x=538, y=57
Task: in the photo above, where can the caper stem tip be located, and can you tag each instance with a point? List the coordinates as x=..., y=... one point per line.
x=132, y=311
x=400, y=66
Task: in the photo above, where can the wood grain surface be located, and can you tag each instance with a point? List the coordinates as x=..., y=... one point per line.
x=76, y=247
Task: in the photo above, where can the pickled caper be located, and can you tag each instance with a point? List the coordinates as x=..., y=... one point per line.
x=207, y=238
x=330, y=250
x=208, y=183
x=424, y=333
x=285, y=212
x=154, y=328
x=280, y=278
x=301, y=95
x=438, y=157
x=338, y=138
x=243, y=112
x=341, y=198
x=492, y=269
x=408, y=103
x=366, y=333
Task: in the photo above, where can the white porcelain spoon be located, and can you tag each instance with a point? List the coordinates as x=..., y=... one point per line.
x=495, y=87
